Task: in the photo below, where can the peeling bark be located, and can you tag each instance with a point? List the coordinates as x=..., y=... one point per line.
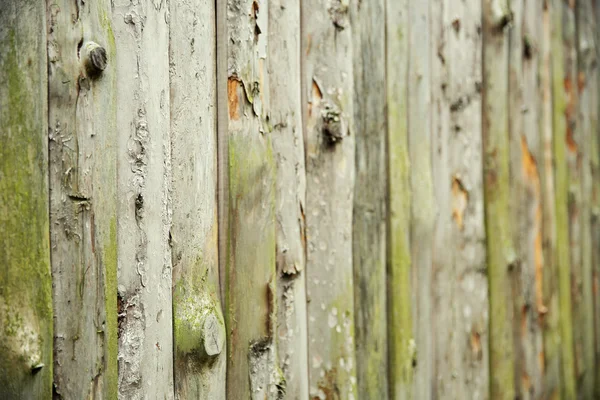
x=25, y=281
x=199, y=327
x=329, y=136
x=144, y=203
x=285, y=117
x=460, y=288
x=83, y=226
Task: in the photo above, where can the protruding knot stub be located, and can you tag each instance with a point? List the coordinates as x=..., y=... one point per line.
x=213, y=335
x=94, y=58
x=333, y=127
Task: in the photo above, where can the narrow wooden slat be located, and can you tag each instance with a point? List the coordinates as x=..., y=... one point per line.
x=369, y=209
x=500, y=253
x=329, y=136
x=285, y=120
x=83, y=224
x=526, y=197
x=199, y=327
x=561, y=191
x=586, y=86
x=250, y=277
x=25, y=280
x=460, y=288
x=594, y=159
x=401, y=344
x=144, y=204
x=422, y=201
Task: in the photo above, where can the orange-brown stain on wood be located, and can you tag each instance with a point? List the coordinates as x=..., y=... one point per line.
x=570, y=114
x=531, y=174
x=542, y=361
x=580, y=81
x=232, y=96
x=460, y=199
x=526, y=382
x=476, y=344
x=317, y=95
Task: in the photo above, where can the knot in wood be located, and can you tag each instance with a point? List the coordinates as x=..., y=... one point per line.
x=333, y=126
x=94, y=58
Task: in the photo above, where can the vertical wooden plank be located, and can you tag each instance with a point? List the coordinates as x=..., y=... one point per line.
x=526, y=197
x=83, y=226
x=25, y=281
x=369, y=214
x=593, y=81
x=250, y=277
x=401, y=344
x=329, y=137
x=144, y=276
x=551, y=355
x=198, y=324
x=500, y=253
x=460, y=289
x=422, y=201
x=561, y=191
x=285, y=120
x=587, y=128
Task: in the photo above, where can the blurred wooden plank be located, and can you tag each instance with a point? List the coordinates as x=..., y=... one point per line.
x=25, y=280
x=329, y=137
x=199, y=327
x=83, y=222
x=401, y=344
x=459, y=286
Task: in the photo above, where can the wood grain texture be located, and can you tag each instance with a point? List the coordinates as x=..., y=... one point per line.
x=587, y=90
x=250, y=277
x=83, y=226
x=561, y=190
x=144, y=204
x=329, y=136
x=369, y=209
x=500, y=253
x=423, y=207
x=459, y=285
x=197, y=314
x=401, y=343
x=285, y=118
x=25, y=280
x=526, y=197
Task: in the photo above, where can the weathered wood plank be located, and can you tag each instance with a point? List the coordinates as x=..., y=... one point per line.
x=83, y=225
x=285, y=118
x=250, y=277
x=561, y=192
x=422, y=201
x=329, y=137
x=401, y=344
x=370, y=191
x=460, y=288
x=551, y=355
x=25, y=281
x=593, y=81
x=500, y=253
x=586, y=85
x=526, y=197
x=199, y=327
x=144, y=276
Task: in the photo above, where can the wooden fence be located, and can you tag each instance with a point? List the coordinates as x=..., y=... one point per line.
x=299, y=199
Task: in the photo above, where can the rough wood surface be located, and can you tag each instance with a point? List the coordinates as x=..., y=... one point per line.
x=423, y=207
x=199, y=327
x=460, y=289
x=500, y=253
x=144, y=277
x=561, y=192
x=25, y=281
x=370, y=191
x=526, y=197
x=250, y=277
x=329, y=137
x=401, y=344
x=83, y=226
x=586, y=86
x=593, y=80
x=285, y=118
